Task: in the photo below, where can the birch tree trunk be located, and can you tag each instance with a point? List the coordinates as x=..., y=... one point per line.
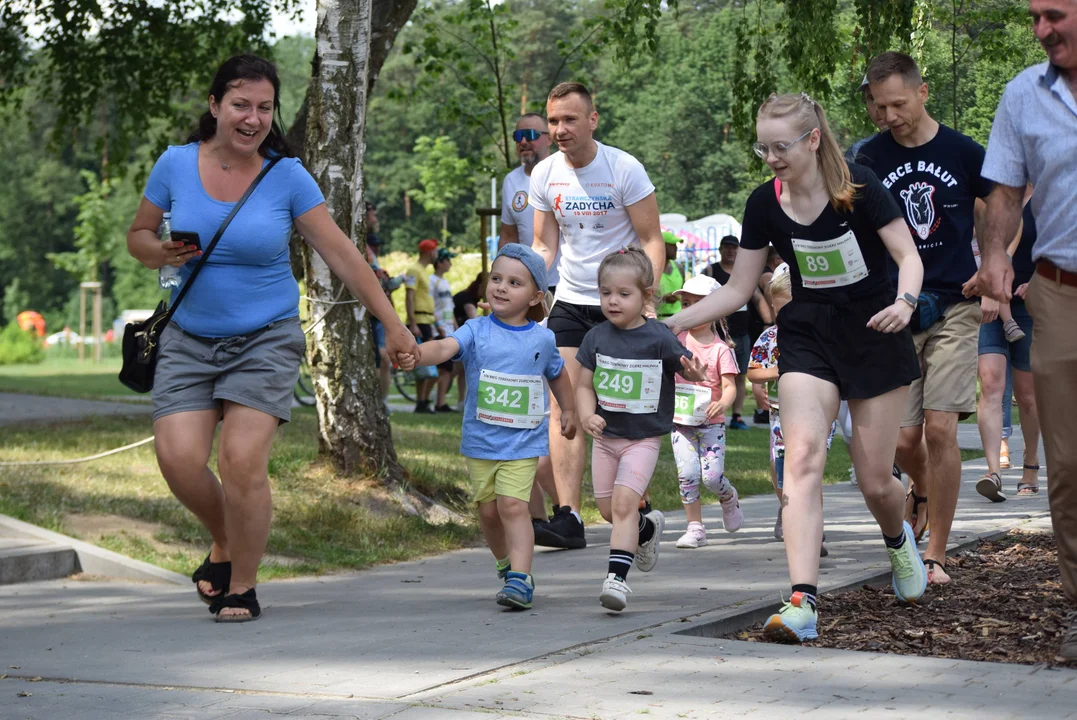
x=353, y=423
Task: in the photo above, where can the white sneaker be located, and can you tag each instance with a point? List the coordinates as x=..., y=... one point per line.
x=694, y=537
x=647, y=553
x=613, y=593
x=852, y=476
x=732, y=517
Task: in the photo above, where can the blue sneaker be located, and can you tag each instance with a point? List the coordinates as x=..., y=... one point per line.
x=518, y=591
x=795, y=622
x=737, y=424
x=909, y=576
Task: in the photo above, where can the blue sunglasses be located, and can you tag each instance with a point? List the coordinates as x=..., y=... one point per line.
x=527, y=134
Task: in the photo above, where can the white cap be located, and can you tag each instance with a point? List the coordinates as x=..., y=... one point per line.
x=782, y=269
x=701, y=285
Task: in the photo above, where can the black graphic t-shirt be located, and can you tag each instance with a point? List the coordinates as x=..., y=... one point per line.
x=839, y=257
x=936, y=185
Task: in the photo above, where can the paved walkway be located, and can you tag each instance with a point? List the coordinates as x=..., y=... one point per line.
x=424, y=639
x=16, y=409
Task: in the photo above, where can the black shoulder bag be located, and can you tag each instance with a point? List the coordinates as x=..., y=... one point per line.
x=140, y=340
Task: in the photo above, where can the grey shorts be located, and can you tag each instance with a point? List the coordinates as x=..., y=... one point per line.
x=258, y=370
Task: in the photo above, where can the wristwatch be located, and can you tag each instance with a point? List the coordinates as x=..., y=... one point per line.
x=910, y=299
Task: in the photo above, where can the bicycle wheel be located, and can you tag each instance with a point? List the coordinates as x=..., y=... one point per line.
x=304, y=387
x=405, y=383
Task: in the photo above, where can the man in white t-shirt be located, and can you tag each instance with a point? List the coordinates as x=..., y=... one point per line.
x=589, y=200
x=517, y=221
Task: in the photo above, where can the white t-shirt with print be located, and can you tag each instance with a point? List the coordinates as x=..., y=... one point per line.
x=516, y=210
x=590, y=204
x=443, y=304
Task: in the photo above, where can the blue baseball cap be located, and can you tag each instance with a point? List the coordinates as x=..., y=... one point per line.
x=531, y=259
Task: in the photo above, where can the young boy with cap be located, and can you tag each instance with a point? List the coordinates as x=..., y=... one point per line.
x=505, y=357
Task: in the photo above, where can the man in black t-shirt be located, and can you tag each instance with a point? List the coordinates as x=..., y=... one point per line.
x=739, y=324
x=933, y=172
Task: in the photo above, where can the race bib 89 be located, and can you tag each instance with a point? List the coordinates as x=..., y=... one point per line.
x=833, y=263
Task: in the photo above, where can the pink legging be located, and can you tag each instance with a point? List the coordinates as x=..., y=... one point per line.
x=615, y=461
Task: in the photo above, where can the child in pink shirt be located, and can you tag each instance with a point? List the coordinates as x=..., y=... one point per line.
x=699, y=421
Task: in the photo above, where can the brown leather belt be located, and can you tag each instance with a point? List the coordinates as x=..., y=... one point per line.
x=1058, y=275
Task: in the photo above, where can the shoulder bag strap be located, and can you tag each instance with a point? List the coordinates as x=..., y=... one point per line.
x=217, y=236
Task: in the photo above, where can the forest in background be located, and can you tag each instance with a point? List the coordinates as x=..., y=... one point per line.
x=682, y=107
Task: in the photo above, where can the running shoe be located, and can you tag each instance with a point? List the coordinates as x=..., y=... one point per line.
x=909, y=576
x=732, y=517
x=613, y=595
x=647, y=553
x=795, y=622
x=544, y=537
x=694, y=537
x=518, y=591
x=565, y=530
x=778, y=534
x=737, y=424
x=852, y=476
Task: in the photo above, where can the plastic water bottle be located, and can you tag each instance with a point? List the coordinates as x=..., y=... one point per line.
x=168, y=276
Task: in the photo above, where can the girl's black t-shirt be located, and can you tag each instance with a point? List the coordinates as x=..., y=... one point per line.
x=839, y=257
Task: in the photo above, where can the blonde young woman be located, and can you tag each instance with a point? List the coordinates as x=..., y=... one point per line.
x=841, y=337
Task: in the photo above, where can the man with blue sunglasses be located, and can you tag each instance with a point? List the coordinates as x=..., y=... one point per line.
x=517, y=221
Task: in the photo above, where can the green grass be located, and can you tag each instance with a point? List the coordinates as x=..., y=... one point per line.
x=322, y=521
x=65, y=378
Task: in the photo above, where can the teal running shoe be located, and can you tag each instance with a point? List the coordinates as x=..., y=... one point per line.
x=909, y=576
x=795, y=622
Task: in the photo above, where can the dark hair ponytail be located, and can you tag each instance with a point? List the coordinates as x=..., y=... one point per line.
x=235, y=70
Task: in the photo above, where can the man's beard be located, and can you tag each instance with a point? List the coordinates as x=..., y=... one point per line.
x=530, y=161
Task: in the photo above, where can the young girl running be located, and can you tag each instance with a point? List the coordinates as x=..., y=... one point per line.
x=625, y=402
x=842, y=336
x=699, y=421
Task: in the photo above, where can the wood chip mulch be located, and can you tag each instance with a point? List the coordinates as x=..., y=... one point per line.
x=1005, y=604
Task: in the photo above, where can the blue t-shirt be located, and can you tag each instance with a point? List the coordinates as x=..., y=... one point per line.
x=247, y=282
x=486, y=343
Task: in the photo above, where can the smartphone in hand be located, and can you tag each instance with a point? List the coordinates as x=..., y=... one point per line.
x=187, y=238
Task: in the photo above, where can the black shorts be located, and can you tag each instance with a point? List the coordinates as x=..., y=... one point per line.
x=569, y=323
x=426, y=330
x=834, y=343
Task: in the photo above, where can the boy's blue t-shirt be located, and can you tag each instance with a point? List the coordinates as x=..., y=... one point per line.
x=487, y=343
x=247, y=282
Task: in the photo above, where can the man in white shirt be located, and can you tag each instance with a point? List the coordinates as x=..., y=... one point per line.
x=589, y=200
x=517, y=216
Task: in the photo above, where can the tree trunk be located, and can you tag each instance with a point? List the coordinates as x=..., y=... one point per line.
x=354, y=429
x=353, y=424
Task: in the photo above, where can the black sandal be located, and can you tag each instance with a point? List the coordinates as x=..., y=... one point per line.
x=990, y=486
x=247, y=601
x=218, y=575
x=1024, y=489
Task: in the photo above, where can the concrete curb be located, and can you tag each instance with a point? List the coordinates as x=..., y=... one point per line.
x=95, y=560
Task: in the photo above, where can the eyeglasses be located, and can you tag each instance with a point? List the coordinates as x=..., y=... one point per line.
x=779, y=149
x=527, y=134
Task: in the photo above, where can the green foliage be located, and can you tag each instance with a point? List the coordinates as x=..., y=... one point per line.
x=94, y=231
x=16, y=299
x=442, y=175
x=123, y=63
x=18, y=346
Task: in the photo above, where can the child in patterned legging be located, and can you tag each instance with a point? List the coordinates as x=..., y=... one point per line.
x=699, y=421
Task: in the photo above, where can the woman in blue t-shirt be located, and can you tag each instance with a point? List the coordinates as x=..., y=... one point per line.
x=232, y=351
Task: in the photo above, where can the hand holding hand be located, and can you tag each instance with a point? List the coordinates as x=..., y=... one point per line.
x=407, y=361
x=996, y=276
x=988, y=310
x=695, y=370
x=399, y=342
x=569, y=423
x=1021, y=290
x=972, y=286
x=892, y=319
x=594, y=425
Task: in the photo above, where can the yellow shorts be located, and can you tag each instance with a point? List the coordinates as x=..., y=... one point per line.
x=511, y=478
x=948, y=357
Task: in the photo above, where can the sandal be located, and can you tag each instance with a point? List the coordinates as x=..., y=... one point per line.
x=914, y=514
x=935, y=566
x=990, y=486
x=218, y=575
x=1004, y=459
x=247, y=601
x=1027, y=489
